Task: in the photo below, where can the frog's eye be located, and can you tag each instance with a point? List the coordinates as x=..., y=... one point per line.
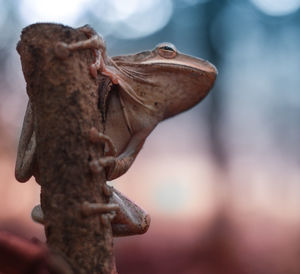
x=166, y=50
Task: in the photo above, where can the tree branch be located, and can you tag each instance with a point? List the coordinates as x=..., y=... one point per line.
x=64, y=100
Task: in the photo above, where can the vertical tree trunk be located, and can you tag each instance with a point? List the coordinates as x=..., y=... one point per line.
x=64, y=100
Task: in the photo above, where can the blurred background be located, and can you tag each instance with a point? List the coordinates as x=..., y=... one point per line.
x=221, y=181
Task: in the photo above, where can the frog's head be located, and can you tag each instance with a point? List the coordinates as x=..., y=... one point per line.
x=167, y=80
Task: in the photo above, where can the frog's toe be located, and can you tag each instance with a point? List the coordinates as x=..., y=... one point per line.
x=108, y=161
x=97, y=137
x=93, y=70
x=96, y=167
x=61, y=50
x=37, y=214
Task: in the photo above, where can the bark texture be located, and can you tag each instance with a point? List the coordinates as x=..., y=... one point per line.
x=64, y=99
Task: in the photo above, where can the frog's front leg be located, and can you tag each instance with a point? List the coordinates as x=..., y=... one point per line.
x=102, y=62
x=117, y=165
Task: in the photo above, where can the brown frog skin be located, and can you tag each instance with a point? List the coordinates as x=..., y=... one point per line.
x=141, y=90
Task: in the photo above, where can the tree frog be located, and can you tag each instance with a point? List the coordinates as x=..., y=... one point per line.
x=140, y=91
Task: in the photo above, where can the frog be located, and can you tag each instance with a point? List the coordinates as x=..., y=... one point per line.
x=140, y=91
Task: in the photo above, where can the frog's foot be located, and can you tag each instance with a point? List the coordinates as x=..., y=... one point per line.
x=131, y=219
x=95, y=42
x=98, y=137
x=62, y=49
x=107, y=212
x=100, y=56
x=109, y=163
x=90, y=32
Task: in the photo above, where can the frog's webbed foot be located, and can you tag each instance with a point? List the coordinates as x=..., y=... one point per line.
x=130, y=219
x=109, y=163
x=95, y=42
x=125, y=217
x=114, y=166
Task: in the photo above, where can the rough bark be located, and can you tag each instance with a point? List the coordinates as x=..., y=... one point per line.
x=64, y=99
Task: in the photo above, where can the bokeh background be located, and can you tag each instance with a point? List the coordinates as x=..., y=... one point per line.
x=221, y=181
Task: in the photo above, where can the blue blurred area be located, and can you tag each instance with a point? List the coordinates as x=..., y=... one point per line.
x=255, y=103
x=247, y=128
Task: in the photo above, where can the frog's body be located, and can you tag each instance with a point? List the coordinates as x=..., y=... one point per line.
x=141, y=90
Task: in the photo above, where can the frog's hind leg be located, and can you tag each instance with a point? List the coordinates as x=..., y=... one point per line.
x=27, y=148
x=130, y=219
